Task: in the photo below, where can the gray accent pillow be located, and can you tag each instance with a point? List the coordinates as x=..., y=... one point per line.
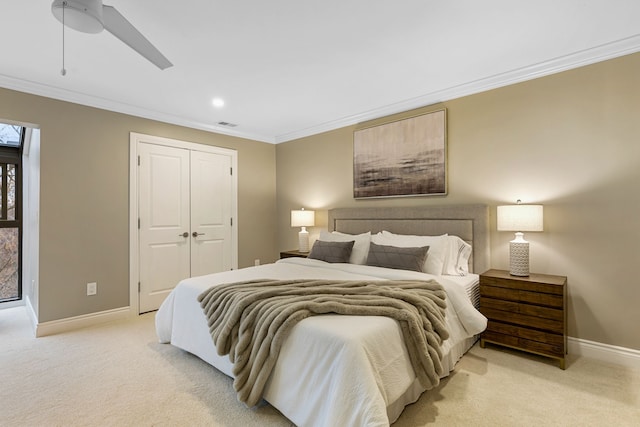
x=395, y=257
x=331, y=251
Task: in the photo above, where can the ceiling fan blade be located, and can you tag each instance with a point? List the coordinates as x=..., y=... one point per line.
x=118, y=25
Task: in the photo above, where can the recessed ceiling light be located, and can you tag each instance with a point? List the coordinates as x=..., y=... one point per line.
x=218, y=102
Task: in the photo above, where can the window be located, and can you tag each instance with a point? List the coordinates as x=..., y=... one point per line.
x=11, y=140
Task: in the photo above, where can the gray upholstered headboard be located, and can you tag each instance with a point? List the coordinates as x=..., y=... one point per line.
x=469, y=222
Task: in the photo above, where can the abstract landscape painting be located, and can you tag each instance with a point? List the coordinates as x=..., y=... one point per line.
x=403, y=158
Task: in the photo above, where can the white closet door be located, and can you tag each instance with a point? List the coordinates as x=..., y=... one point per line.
x=185, y=203
x=211, y=213
x=164, y=222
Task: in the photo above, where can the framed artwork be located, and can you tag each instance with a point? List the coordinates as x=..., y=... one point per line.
x=403, y=158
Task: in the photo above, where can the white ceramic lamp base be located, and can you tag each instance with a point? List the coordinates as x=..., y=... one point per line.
x=303, y=240
x=519, y=256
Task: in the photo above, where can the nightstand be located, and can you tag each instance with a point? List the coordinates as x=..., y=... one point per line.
x=293, y=253
x=525, y=313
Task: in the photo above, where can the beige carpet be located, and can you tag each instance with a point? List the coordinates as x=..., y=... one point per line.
x=118, y=375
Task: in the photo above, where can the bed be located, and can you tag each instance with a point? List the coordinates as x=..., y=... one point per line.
x=349, y=370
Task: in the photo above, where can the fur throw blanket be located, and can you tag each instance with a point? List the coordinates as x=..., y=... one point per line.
x=249, y=321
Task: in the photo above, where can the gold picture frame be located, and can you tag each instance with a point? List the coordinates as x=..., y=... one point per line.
x=406, y=157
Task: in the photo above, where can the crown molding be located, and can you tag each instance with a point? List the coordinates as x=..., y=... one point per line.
x=118, y=107
x=593, y=55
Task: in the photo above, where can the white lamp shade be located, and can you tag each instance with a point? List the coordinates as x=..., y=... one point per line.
x=520, y=218
x=302, y=218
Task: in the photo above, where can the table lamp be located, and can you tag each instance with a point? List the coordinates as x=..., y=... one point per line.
x=304, y=219
x=519, y=218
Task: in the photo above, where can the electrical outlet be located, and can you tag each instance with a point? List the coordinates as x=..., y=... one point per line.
x=92, y=288
x=256, y=262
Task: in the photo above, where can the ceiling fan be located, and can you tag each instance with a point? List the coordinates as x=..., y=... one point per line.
x=91, y=16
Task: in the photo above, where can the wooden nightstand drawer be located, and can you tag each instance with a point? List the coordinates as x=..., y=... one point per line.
x=526, y=309
x=556, y=326
x=540, y=348
x=514, y=294
x=525, y=333
x=534, y=283
x=526, y=313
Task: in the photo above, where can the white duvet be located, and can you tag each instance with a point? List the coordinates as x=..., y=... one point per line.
x=332, y=370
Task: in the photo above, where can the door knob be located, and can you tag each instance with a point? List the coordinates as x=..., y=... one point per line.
x=196, y=234
x=185, y=234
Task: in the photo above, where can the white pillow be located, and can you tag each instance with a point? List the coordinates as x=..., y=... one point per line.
x=456, y=260
x=360, y=249
x=434, y=263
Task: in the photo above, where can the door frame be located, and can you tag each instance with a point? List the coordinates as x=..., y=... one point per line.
x=134, y=249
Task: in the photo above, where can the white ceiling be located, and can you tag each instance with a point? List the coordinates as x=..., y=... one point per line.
x=292, y=68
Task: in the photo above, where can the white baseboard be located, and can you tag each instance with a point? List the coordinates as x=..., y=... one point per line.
x=31, y=313
x=607, y=353
x=72, y=323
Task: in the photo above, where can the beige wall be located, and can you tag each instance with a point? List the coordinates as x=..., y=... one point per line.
x=569, y=141
x=84, y=199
